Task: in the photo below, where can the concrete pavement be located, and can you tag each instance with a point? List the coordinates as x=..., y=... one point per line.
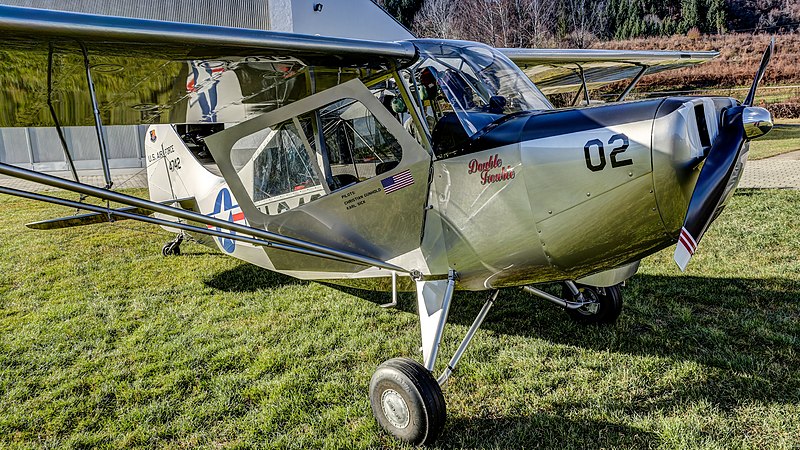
x=122, y=178
x=778, y=172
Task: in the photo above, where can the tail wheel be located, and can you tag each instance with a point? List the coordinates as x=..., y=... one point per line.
x=407, y=401
x=605, y=306
x=171, y=249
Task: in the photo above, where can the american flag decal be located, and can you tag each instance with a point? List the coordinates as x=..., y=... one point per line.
x=397, y=181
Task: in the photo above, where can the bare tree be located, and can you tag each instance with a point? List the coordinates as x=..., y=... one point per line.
x=436, y=18
x=540, y=19
x=585, y=17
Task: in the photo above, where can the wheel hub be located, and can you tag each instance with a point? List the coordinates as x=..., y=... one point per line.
x=593, y=304
x=395, y=408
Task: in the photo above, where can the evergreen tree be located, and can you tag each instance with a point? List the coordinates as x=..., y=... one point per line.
x=402, y=10
x=690, y=15
x=715, y=16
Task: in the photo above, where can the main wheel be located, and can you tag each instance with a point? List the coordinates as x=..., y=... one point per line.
x=407, y=401
x=605, y=307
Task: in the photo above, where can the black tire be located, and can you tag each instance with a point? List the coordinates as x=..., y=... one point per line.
x=407, y=401
x=606, y=310
x=171, y=249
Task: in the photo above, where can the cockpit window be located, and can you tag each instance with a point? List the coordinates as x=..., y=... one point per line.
x=479, y=83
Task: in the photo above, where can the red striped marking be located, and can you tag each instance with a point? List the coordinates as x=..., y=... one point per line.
x=688, y=241
x=686, y=245
x=236, y=218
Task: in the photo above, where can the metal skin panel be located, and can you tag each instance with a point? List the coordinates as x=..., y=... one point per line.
x=582, y=223
x=613, y=228
x=608, y=278
x=562, y=216
x=555, y=159
x=677, y=157
x=487, y=229
x=380, y=225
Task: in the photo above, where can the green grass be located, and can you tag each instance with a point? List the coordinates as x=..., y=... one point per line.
x=104, y=343
x=784, y=138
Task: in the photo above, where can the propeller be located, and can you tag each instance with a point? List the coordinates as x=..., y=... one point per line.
x=748, y=101
x=714, y=184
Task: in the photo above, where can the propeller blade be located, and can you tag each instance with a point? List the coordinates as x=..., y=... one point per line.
x=751, y=96
x=712, y=185
x=739, y=124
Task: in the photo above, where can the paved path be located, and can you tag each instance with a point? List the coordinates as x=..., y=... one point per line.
x=122, y=178
x=782, y=171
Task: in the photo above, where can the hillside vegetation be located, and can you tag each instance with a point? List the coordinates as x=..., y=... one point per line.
x=579, y=23
x=732, y=72
x=738, y=29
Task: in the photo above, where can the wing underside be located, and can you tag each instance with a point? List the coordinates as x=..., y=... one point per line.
x=148, y=71
x=557, y=71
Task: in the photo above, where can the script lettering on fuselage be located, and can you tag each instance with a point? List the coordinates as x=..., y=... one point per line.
x=488, y=170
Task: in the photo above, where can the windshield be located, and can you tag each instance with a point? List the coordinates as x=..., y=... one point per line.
x=475, y=78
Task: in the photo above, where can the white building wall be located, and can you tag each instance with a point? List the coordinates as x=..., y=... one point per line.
x=358, y=19
x=231, y=13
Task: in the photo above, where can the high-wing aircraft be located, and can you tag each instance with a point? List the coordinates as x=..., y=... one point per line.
x=425, y=165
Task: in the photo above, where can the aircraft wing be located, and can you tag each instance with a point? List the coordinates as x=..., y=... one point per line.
x=555, y=70
x=148, y=71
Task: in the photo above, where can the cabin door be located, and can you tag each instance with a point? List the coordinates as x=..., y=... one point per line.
x=336, y=168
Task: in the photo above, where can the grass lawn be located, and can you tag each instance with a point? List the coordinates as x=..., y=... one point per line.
x=784, y=138
x=104, y=343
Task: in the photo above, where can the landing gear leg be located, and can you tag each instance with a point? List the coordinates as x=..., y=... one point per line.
x=406, y=399
x=173, y=247
x=605, y=304
x=585, y=304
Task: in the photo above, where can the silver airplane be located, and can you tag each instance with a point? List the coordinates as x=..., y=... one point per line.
x=423, y=165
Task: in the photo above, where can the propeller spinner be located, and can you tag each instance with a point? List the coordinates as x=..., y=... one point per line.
x=715, y=183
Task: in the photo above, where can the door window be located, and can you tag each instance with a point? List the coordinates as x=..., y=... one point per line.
x=358, y=145
x=276, y=164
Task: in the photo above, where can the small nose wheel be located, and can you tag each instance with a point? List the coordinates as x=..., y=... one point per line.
x=173, y=247
x=407, y=401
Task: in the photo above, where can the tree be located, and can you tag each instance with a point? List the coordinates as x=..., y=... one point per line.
x=436, y=18
x=585, y=19
x=403, y=10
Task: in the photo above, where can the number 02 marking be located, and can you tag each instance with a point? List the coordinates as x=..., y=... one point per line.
x=613, y=157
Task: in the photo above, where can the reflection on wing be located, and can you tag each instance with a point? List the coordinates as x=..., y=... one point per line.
x=148, y=71
x=556, y=71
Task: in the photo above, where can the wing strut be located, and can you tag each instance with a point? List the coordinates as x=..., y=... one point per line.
x=583, y=89
x=125, y=213
x=632, y=84
x=264, y=237
x=98, y=123
x=53, y=114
